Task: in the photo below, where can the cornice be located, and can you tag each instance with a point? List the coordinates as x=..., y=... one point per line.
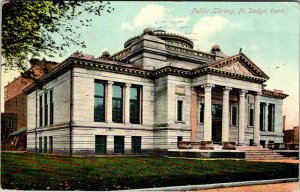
x=123, y=68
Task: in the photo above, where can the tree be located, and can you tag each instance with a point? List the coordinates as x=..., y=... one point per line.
x=29, y=28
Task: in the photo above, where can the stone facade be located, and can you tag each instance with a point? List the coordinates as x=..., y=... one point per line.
x=175, y=84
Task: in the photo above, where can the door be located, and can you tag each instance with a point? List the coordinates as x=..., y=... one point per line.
x=100, y=144
x=216, y=123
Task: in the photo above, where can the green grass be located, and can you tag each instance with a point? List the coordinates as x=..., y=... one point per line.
x=34, y=171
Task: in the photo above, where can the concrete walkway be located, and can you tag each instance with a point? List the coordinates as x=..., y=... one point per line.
x=279, y=187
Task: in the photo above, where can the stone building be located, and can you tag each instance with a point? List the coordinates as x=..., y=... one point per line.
x=149, y=96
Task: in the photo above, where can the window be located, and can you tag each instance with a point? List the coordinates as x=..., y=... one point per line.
x=251, y=117
x=201, y=113
x=119, y=144
x=271, y=115
x=216, y=111
x=135, y=105
x=234, y=116
x=51, y=107
x=50, y=144
x=41, y=110
x=117, y=104
x=262, y=117
x=100, y=144
x=179, y=110
x=99, y=106
x=46, y=108
x=179, y=138
x=10, y=123
x=45, y=145
x=136, y=145
x=40, y=144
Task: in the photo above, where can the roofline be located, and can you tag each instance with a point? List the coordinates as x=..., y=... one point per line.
x=123, y=68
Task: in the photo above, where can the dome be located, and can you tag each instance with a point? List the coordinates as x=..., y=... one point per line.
x=148, y=31
x=105, y=54
x=169, y=38
x=215, y=48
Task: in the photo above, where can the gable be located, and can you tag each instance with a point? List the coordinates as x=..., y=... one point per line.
x=236, y=67
x=239, y=64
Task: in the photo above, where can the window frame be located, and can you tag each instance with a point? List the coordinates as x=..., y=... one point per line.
x=101, y=144
x=41, y=112
x=232, y=122
x=179, y=114
x=121, y=100
x=138, y=103
x=51, y=109
x=102, y=119
x=116, y=145
x=136, y=147
x=46, y=108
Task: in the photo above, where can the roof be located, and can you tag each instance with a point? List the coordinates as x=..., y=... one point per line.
x=19, y=131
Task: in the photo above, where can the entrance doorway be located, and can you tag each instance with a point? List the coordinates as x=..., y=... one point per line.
x=216, y=122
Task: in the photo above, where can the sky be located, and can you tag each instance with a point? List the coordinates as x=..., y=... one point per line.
x=268, y=34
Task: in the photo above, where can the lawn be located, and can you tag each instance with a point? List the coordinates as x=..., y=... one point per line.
x=35, y=171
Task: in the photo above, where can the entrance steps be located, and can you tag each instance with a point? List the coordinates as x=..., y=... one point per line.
x=259, y=153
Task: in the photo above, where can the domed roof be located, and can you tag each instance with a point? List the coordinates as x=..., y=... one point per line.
x=215, y=48
x=171, y=38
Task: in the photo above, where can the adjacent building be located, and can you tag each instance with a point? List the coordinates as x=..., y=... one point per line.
x=8, y=125
x=149, y=96
x=15, y=100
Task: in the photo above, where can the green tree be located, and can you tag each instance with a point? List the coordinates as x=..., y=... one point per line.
x=29, y=28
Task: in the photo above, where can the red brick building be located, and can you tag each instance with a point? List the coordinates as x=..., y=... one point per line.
x=292, y=135
x=15, y=101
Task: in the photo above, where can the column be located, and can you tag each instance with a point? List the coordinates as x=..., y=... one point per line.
x=256, y=130
x=242, y=117
x=266, y=117
x=225, y=115
x=127, y=103
x=207, y=112
x=194, y=113
x=108, y=102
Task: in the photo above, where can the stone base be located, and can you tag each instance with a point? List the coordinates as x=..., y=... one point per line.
x=206, y=145
x=229, y=146
x=185, y=145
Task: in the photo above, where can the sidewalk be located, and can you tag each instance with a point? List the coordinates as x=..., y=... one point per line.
x=279, y=187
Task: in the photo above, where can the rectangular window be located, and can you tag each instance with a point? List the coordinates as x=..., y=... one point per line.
x=136, y=145
x=50, y=144
x=117, y=104
x=46, y=108
x=135, y=105
x=100, y=144
x=262, y=117
x=51, y=107
x=251, y=117
x=40, y=144
x=271, y=117
x=119, y=144
x=233, y=116
x=201, y=113
x=41, y=110
x=179, y=110
x=10, y=123
x=179, y=138
x=45, y=145
x=99, y=99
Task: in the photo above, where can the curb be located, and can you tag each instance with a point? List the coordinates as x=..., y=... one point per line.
x=217, y=185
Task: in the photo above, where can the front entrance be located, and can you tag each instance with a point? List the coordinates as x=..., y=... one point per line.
x=216, y=123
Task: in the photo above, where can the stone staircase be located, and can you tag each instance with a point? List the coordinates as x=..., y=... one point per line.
x=260, y=153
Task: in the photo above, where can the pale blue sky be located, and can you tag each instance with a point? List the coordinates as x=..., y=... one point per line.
x=269, y=40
